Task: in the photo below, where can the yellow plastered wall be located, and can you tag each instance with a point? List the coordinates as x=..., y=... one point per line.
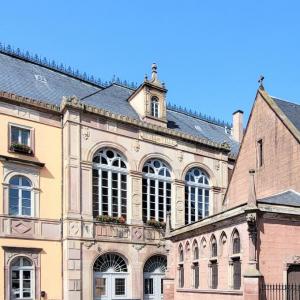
x=51, y=261
x=48, y=151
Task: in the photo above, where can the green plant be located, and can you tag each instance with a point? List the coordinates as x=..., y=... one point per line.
x=156, y=224
x=110, y=219
x=20, y=148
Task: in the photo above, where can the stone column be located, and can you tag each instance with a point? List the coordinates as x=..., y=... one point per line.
x=136, y=213
x=252, y=275
x=178, y=210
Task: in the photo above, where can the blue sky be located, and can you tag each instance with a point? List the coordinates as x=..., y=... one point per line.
x=209, y=53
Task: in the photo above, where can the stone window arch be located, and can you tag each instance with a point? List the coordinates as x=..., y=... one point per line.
x=195, y=266
x=156, y=190
x=213, y=263
x=180, y=267
x=197, y=195
x=110, y=174
x=21, y=192
x=235, y=262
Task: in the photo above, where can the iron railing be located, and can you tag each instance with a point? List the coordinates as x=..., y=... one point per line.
x=279, y=292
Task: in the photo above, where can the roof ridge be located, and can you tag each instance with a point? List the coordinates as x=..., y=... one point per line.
x=198, y=115
x=63, y=69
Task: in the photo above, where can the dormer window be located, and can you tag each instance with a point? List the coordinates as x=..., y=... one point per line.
x=154, y=107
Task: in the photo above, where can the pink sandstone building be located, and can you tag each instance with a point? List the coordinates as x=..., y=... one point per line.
x=252, y=242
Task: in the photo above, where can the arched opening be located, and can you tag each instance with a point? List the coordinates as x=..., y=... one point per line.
x=156, y=191
x=109, y=184
x=154, y=272
x=197, y=195
x=20, y=196
x=22, y=278
x=110, y=277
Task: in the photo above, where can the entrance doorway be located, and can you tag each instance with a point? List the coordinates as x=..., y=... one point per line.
x=154, y=272
x=110, y=277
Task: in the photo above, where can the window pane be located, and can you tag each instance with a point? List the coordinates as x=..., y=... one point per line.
x=15, y=180
x=25, y=134
x=148, y=286
x=14, y=135
x=119, y=286
x=25, y=182
x=100, y=287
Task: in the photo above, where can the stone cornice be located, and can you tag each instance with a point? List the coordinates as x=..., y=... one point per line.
x=22, y=161
x=73, y=102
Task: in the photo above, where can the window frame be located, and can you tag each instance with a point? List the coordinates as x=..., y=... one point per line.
x=147, y=183
x=233, y=259
x=111, y=170
x=21, y=270
x=154, y=107
x=31, y=140
x=20, y=189
x=199, y=189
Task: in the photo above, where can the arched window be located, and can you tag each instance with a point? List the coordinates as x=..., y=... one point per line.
x=195, y=251
x=235, y=261
x=236, y=243
x=156, y=191
x=154, y=271
x=22, y=278
x=196, y=195
x=181, y=267
x=214, y=247
x=195, y=265
x=213, y=263
x=20, y=196
x=110, y=277
x=154, y=107
x=109, y=184
x=181, y=255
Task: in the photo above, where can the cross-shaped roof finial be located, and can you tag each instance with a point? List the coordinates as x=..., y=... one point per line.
x=261, y=81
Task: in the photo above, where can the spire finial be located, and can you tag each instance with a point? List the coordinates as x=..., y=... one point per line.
x=261, y=81
x=154, y=71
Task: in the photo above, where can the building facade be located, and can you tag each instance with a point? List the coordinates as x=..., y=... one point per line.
x=251, y=249
x=93, y=175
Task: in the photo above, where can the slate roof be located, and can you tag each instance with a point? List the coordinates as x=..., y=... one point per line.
x=288, y=198
x=33, y=80
x=291, y=110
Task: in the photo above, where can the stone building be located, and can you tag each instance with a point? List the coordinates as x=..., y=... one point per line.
x=252, y=243
x=91, y=175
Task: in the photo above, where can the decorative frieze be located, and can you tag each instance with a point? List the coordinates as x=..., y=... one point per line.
x=158, y=139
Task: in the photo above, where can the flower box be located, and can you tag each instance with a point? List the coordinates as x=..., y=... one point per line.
x=111, y=220
x=156, y=224
x=21, y=148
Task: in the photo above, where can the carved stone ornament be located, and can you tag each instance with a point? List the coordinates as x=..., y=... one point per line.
x=180, y=155
x=224, y=239
x=88, y=245
x=86, y=133
x=136, y=146
x=74, y=229
x=217, y=165
x=252, y=226
x=139, y=246
x=296, y=259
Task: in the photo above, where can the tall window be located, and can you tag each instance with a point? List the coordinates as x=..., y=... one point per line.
x=109, y=184
x=20, y=196
x=181, y=267
x=260, y=153
x=214, y=263
x=195, y=265
x=196, y=195
x=155, y=107
x=156, y=191
x=235, y=261
x=22, y=279
x=20, y=135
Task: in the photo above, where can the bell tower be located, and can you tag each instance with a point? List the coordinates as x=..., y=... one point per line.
x=149, y=100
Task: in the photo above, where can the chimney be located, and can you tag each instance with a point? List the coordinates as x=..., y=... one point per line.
x=237, y=128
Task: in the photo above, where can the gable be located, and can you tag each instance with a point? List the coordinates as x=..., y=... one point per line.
x=281, y=156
